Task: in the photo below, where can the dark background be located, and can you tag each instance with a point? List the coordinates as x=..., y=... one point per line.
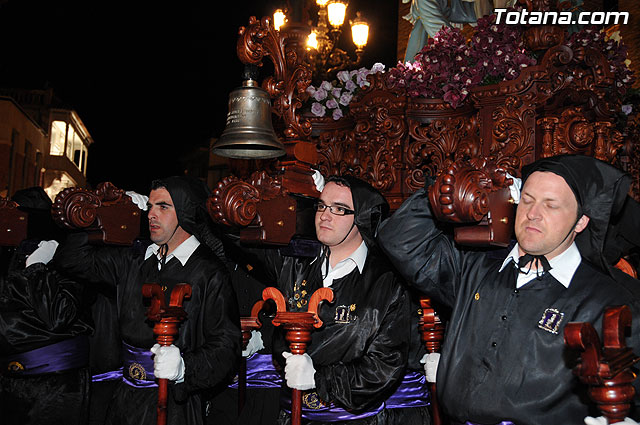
x=150, y=80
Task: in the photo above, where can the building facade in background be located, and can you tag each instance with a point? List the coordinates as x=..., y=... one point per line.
x=42, y=143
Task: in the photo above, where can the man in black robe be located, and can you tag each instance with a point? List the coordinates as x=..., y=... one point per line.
x=503, y=357
x=354, y=371
x=208, y=344
x=44, y=328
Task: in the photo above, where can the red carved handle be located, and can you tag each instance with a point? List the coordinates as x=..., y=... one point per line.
x=322, y=294
x=158, y=303
x=614, y=323
x=274, y=294
x=179, y=293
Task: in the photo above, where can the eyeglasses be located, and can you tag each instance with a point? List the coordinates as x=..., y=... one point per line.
x=333, y=209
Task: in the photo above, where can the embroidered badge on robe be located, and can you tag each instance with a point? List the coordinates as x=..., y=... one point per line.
x=550, y=321
x=300, y=296
x=312, y=400
x=136, y=371
x=15, y=367
x=344, y=313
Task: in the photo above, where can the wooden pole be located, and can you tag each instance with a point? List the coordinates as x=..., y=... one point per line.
x=298, y=327
x=432, y=332
x=167, y=321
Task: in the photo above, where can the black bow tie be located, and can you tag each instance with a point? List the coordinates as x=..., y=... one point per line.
x=540, y=261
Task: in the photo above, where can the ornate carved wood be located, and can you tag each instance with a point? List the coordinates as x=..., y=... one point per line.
x=564, y=104
x=606, y=368
x=263, y=210
x=107, y=213
x=266, y=204
x=13, y=223
x=477, y=194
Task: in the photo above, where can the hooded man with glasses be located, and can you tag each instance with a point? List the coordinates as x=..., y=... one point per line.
x=504, y=359
x=354, y=368
x=184, y=249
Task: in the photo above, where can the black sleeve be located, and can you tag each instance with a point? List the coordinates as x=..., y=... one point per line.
x=423, y=254
x=76, y=257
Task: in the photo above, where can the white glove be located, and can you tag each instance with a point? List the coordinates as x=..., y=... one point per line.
x=318, y=180
x=254, y=345
x=43, y=253
x=515, y=188
x=601, y=420
x=168, y=363
x=430, y=361
x=139, y=200
x=299, y=371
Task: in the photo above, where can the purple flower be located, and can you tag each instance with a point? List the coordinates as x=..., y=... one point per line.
x=336, y=92
x=350, y=85
x=320, y=94
x=337, y=114
x=627, y=109
x=345, y=99
x=332, y=104
x=343, y=76
x=326, y=85
x=317, y=109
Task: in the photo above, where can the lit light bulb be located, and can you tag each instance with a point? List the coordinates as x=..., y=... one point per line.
x=278, y=19
x=359, y=31
x=336, y=11
x=312, y=41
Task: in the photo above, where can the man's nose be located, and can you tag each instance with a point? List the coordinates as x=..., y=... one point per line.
x=326, y=214
x=533, y=212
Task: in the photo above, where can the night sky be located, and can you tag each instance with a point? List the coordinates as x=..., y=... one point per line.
x=150, y=80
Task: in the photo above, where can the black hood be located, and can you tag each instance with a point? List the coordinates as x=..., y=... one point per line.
x=370, y=208
x=601, y=191
x=189, y=196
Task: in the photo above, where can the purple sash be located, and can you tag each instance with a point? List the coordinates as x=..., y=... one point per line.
x=112, y=375
x=138, y=367
x=261, y=373
x=71, y=353
x=473, y=423
x=412, y=392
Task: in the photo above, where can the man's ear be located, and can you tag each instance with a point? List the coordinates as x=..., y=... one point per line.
x=581, y=224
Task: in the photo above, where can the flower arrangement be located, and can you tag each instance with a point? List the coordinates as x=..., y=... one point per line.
x=449, y=65
x=333, y=97
x=613, y=49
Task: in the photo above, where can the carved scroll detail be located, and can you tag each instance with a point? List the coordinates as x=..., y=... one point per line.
x=291, y=76
x=75, y=208
x=233, y=202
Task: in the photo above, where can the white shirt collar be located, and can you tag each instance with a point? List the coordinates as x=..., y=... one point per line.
x=563, y=265
x=346, y=266
x=182, y=251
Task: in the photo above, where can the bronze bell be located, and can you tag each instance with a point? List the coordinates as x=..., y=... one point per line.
x=249, y=132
